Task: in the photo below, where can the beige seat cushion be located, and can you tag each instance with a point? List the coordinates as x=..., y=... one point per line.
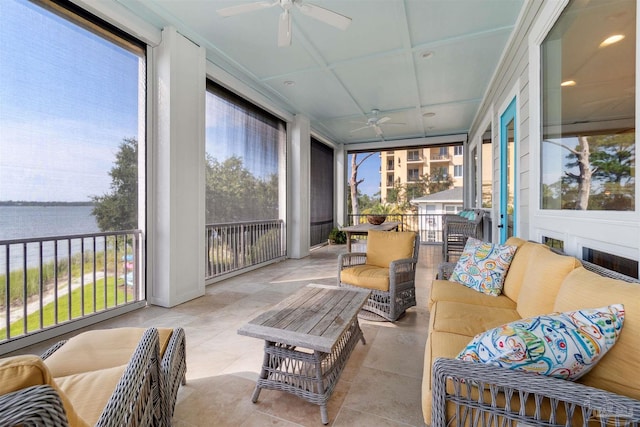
x=445, y=290
x=542, y=279
x=439, y=344
x=618, y=371
x=99, y=349
x=386, y=246
x=90, y=391
x=519, y=263
x=468, y=319
x=20, y=372
x=366, y=276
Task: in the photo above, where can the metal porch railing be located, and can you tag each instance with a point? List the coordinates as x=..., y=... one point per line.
x=235, y=246
x=49, y=281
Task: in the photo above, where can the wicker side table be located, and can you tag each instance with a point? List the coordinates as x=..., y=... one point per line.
x=308, y=340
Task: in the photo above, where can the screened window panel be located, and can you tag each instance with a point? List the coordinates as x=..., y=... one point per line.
x=72, y=113
x=244, y=150
x=322, y=184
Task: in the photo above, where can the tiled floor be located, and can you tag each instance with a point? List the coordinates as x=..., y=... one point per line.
x=379, y=387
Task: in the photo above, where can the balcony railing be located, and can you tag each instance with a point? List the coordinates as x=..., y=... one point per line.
x=440, y=157
x=237, y=246
x=50, y=281
x=428, y=225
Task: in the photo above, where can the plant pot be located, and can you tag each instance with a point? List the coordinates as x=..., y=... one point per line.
x=376, y=219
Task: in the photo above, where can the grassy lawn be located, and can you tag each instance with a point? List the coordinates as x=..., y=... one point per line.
x=48, y=312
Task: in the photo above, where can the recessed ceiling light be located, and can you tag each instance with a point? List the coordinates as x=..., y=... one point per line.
x=611, y=40
x=289, y=83
x=428, y=114
x=426, y=54
x=568, y=83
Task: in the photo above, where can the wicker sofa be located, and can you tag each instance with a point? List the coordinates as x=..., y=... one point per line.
x=121, y=376
x=538, y=281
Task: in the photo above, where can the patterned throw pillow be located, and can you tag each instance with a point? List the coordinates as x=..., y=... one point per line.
x=562, y=345
x=483, y=266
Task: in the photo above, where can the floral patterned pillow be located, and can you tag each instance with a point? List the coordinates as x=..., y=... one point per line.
x=483, y=266
x=562, y=345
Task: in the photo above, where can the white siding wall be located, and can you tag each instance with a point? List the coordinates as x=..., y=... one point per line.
x=519, y=74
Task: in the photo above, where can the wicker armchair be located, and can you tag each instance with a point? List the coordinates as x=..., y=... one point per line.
x=134, y=401
x=392, y=303
x=456, y=230
x=173, y=368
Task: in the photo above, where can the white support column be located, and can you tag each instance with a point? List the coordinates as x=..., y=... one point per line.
x=298, y=176
x=176, y=243
x=340, y=185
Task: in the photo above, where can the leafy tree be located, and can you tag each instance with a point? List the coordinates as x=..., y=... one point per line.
x=233, y=193
x=118, y=209
x=439, y=180
x=599, y=173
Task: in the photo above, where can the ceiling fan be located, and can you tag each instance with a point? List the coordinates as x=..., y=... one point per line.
x=284, y=23
x=375, y=122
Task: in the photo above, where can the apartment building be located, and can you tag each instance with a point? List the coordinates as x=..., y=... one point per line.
x=401, y=167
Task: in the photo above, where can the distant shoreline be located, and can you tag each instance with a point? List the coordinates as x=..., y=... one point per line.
x=25, y=203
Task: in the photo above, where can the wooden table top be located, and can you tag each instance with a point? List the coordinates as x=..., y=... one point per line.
x=314, y=317
x=365, y=227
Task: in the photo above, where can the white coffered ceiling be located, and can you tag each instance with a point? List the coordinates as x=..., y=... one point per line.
x=403, y=57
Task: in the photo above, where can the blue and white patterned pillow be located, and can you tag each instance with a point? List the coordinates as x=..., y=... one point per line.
x=483, y=266
x=562, y=345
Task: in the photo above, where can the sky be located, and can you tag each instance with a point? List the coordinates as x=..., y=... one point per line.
x=67, y=100
x=370, y=172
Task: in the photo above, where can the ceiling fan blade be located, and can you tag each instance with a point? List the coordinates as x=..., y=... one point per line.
x=243, y=8
x=383, y=120
x=325, y=15
x=378, y=130
x=359, y=129
x=394, y=124
x=284, y=29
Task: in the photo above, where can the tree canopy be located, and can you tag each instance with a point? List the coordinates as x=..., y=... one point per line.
x=118, y=209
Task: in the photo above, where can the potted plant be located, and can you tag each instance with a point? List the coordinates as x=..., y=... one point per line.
x=377, y=214
x=337, y=237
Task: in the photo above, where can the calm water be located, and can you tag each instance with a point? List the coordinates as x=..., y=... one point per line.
x=23, y=222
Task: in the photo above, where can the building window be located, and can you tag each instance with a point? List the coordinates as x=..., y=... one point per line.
x=413, y=155
x=588, y=147
x=72, y=120
x=626, y=266
x=245, y=159
x=443, y=151
x=413, y=175
x=457, y=171
x=452, y=209
x=390, y=163
x=553, y=243
x=457, y=150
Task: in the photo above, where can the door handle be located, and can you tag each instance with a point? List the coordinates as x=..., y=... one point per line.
x=501, y=226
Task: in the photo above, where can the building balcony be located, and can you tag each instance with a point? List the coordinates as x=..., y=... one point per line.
x=222, y=366
x=440, y=157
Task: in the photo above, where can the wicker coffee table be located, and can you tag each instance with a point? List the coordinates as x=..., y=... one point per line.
x=308, y=339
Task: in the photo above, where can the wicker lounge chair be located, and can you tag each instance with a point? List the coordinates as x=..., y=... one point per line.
x=388, y=302
x=173, y=364
x=456, y=230
x=134, y=401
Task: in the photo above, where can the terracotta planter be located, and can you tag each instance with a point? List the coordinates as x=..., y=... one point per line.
x=376, y=219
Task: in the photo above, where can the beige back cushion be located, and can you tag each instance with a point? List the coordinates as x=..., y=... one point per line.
x=20, y=372
x=542, y=279
x=515, y=274
x=619, y=369
x=99, y=349
x=386, y=246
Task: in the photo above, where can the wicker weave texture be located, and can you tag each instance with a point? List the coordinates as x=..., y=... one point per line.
x=402, y=287
x=310, y=375
x=32, y=407
x=173, y=370
x=511, y=398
